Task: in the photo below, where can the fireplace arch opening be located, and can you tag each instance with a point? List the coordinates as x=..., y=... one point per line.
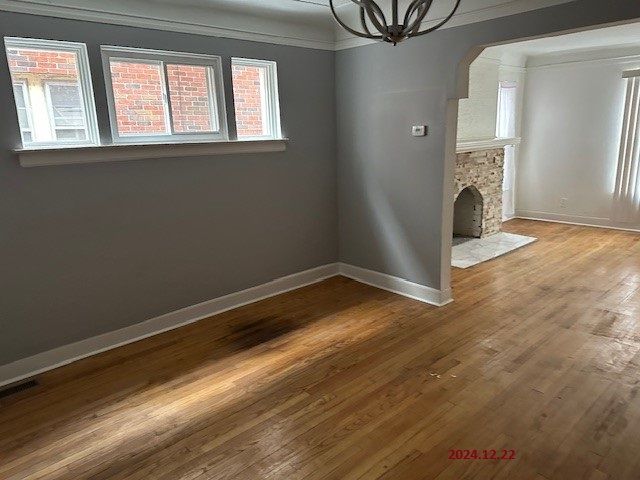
x=467, y=213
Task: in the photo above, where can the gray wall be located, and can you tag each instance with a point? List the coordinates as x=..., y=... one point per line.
x=390, y=184
x=92, y=248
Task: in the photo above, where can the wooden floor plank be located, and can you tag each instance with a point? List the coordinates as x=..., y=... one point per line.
x=540, y=353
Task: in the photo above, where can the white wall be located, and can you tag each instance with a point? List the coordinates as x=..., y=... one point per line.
x=477, y=114
x=571, y=132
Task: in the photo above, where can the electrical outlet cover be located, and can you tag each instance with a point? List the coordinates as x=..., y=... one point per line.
x=419, y=130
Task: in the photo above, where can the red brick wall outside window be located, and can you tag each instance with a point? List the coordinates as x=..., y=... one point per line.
x=189, y=92
x=138, y=96
x=45, y=64
x=247, y=94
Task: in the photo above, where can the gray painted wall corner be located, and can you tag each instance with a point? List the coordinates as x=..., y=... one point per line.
x=88, y=249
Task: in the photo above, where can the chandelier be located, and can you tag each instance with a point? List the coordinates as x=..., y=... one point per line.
x=396, y=31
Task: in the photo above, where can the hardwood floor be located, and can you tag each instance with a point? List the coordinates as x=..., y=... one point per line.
x=539, y=354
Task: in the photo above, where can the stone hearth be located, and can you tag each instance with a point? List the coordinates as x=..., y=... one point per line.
x=479, y=174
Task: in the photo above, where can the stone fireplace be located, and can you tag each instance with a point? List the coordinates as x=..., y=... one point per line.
x=478, y=193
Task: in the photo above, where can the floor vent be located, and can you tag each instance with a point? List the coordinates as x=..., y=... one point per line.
x=17, y=388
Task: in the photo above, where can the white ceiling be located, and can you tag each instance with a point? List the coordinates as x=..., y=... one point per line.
x=538, y=50
x=306, y=23
x=603, y=37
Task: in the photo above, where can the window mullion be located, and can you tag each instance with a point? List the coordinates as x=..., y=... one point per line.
x=167, y=97
x=214, y=111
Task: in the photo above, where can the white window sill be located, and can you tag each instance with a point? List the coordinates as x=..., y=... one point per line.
x=115, y=153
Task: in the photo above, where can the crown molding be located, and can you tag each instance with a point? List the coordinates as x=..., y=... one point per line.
x=299, y=38
x=39, y=7
x=603, y=55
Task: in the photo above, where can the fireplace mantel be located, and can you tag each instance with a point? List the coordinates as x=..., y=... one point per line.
x=465, y=146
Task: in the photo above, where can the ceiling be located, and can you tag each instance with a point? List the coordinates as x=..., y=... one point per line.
x=306, y=11
x=602, y=37
x=306, y=23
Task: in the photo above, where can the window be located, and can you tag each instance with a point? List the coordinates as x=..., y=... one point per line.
x=53, y=93
x=507, y=128
x=21, y=94
x=626, y=195
x=255, y=91
x=66, y=111
x=507, y=110
x=164, y=96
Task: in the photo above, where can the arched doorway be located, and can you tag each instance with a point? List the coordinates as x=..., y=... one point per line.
x=467, y=213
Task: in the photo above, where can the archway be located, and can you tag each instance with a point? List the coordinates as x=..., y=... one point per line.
x=461, y=91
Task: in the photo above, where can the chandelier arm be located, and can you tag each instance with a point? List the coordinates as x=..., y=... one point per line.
x=363, y=21
x=423, y=9
x=435, y=27
x=348, y=28
x=413, y=6
x=416, y=27
x=376, y=16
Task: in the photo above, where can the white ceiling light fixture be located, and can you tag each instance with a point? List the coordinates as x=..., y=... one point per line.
x=396, y=31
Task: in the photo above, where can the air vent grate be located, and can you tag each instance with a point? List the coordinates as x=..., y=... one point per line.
x=17, y=388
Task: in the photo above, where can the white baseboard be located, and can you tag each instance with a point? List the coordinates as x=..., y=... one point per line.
x=574, y=220
x=397, y=285
x=45, y=361
x=42, y=362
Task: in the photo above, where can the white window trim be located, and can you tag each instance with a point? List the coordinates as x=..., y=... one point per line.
x=84, y=82
x=270, y=97
x=216, y=89
x=27, y=106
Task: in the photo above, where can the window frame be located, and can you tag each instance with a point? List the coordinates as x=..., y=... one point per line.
x=505, y=86
x=270, y=97
x=22, y=85
x=215, y=81
x=85, y=85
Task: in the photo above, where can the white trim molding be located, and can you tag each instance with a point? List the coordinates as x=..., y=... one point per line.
x=42, y=362
x=578, y=220
x=601, y=56
x=397, y=285
x=465, y=146
x=115, y=153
